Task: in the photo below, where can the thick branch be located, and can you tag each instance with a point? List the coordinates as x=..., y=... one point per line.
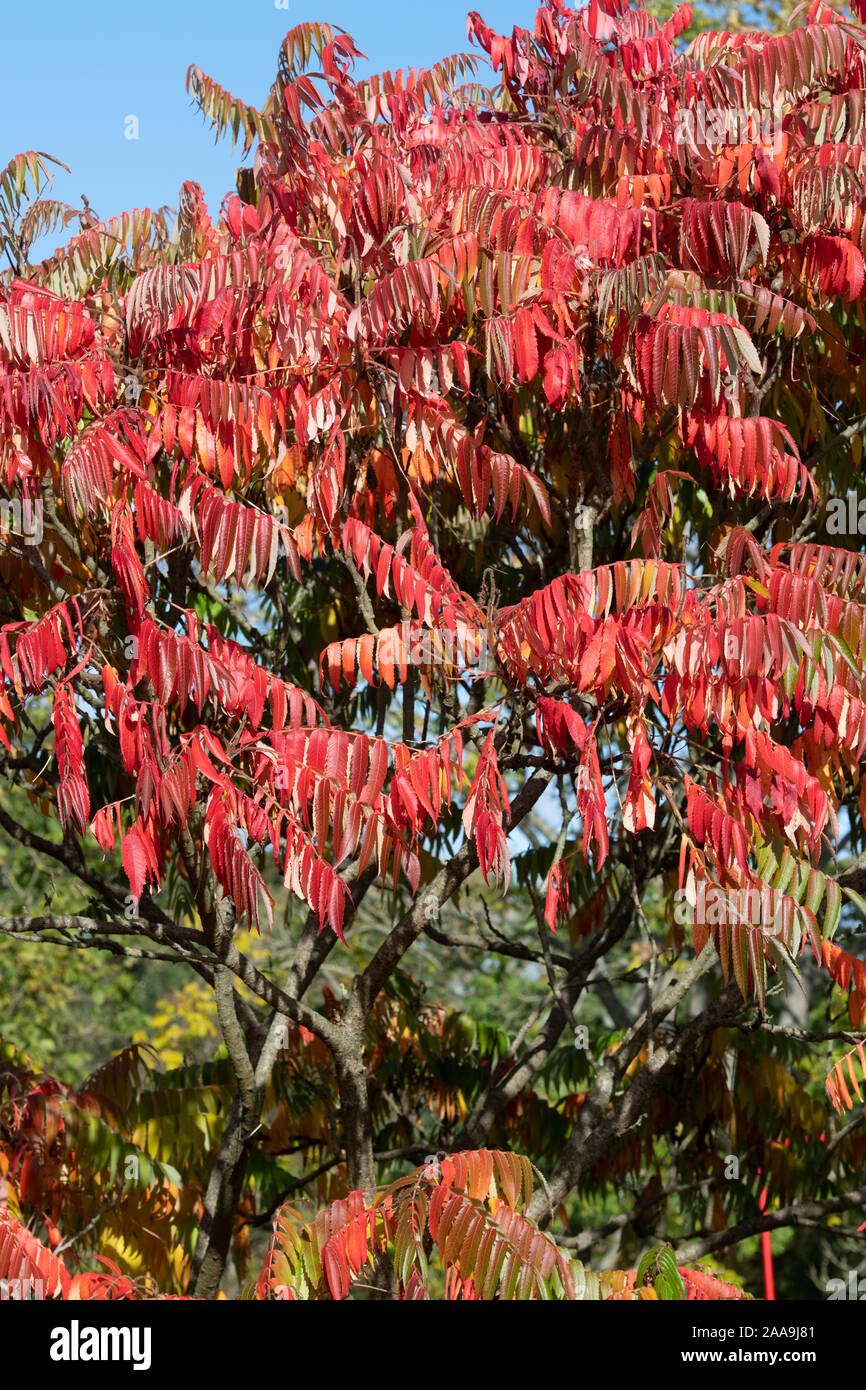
x=602, y=1118
x=795, y=1214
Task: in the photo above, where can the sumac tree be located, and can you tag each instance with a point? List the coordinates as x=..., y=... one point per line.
x=457, y=507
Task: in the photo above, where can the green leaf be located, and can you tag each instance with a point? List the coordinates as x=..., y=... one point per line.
x=858, y=901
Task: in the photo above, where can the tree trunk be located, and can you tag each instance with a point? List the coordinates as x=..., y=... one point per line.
x=224, y=1192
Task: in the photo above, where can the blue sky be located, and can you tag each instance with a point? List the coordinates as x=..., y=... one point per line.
x=71, y=73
